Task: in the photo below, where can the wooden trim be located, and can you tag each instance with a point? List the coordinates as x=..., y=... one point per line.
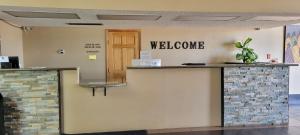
x=123, y=30
x=128, y=45
x=106, y=49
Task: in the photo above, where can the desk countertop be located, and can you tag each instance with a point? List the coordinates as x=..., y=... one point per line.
x=38, y=69
x=213, y=66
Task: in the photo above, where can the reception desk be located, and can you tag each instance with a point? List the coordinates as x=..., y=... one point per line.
x=251, y=94
x=156, y=97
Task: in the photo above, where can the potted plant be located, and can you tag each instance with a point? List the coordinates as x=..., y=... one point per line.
x=247, y=54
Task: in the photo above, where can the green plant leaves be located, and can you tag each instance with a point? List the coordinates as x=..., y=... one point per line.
x=239, y=56
x=247, y=54
x=238, y=45
x=244, y=51
x=248, y=40
x=251, y=56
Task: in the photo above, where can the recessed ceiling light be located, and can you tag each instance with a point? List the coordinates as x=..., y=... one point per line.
x=42, y=15
x=275, y=18
x=89, y=24
x=204, y=18
x=129, y=17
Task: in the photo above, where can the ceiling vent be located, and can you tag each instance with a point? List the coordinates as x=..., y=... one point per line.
x=86, y=24
x=274, y=18
x=205, y=18
x=129, y=17
x=42, y=15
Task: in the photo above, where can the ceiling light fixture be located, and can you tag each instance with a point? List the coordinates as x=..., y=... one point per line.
x=129, y=17
x=204, y=18
x=25, y=14
x=86, y=24
x=274, y=18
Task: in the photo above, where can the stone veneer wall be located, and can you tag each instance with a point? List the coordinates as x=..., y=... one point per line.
x=256, y=96
x=30, y=102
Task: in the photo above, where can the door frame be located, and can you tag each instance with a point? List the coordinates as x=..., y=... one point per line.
x=107, y=42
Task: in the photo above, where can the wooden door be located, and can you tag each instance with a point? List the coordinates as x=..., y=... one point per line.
x=122, y=47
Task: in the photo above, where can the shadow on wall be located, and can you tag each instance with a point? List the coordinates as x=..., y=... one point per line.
x=11, y=117
x=222, y=57
x=215, y=95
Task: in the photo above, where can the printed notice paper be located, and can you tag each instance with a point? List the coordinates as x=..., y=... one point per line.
x=92, y=57
x=4, y=59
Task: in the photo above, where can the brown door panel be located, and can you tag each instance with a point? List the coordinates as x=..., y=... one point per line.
x=122, y=47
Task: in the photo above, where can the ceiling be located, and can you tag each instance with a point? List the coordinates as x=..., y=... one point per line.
x=62, y=17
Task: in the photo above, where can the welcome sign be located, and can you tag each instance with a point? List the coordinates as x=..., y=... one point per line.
x=177, y=45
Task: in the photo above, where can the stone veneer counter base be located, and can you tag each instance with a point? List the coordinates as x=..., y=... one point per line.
x=255, y=96
x=31, y=100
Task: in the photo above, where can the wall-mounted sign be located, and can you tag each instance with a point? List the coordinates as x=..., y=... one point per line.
x=92, y=51
x=177, y=45
x=92, y=57
x=92, y=45
x=145, y=55
x=4, y=59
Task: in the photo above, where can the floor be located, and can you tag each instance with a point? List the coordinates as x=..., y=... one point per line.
x=292, y=129
x=259, y=131
x=294, y=102
x=294, y=115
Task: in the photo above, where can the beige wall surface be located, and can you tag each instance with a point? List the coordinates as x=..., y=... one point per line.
x=152, y=99
x=11, y=41
x=237, y=6
x=41, y=45
x=218, y=43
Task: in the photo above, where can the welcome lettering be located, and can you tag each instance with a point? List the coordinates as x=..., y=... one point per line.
x=177, y=45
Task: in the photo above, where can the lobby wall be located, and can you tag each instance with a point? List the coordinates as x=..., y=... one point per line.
x=11, y=41
x=218, y=43
x=294, y=80
x=41, y=44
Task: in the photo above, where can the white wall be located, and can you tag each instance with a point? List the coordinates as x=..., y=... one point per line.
x=11, y=41
x=294, y=80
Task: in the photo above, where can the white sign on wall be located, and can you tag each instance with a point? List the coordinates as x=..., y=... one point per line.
x=145, y=55
x=4, y=59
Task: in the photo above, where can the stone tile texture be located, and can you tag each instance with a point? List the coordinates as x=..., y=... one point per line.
x=256, y=96
x=30, y=102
